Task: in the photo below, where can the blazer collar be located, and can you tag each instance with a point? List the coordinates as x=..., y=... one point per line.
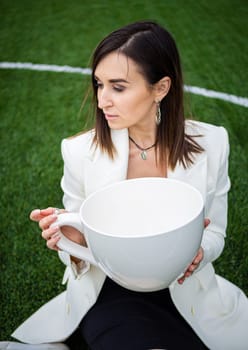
x=101, y=171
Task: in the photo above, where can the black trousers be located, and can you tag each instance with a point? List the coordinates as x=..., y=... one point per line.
x=76, y=341
x=125, y=320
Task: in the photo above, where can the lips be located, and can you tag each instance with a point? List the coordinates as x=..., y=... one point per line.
x=110, y=116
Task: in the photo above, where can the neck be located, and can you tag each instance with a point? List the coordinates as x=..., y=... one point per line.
x=142, y=149
x=143, y=138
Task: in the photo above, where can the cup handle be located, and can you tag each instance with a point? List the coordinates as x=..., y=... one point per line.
x=65, y=244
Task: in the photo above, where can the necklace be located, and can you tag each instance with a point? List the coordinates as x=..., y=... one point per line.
x=143, y=150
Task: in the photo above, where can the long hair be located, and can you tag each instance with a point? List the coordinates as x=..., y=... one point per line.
x=154, y=50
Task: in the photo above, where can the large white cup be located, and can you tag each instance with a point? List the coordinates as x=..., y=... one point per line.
x=143, y=233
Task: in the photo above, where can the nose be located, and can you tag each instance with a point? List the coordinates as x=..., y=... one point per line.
x=104, y=98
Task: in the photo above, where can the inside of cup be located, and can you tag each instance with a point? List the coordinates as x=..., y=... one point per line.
x=140, y=207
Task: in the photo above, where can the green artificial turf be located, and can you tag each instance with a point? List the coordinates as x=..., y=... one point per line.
x=38, y=109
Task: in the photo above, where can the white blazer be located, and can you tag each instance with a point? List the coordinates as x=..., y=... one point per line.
x=216, y=309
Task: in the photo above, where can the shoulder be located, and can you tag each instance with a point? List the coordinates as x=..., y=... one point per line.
x=211, y=137
x=207, y=130
x=76, y=146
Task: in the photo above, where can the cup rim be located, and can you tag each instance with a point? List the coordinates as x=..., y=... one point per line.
x=141, y=179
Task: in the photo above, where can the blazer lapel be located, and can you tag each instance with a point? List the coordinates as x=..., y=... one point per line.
x=100, y=170
x=195, y=175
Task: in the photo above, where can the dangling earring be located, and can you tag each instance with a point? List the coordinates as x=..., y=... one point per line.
x=158, y=113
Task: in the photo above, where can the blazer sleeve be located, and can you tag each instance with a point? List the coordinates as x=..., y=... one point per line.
x=72, y=184
x=216, y=201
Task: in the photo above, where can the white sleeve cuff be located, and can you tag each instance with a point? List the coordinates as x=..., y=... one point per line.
x=80, y=268
x=73, y=270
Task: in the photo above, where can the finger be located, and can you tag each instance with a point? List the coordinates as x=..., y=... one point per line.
x=50, y=232
x=46, y=221
x=181, y=280
x=198, y=257
x=52, y=242
x=58, y=211
x=38, y=214
x=35, y=215
x=192, y=268
x=187, y=273
x=197, y=261
x=51, y=210
x=206, y=222
x=47, y=211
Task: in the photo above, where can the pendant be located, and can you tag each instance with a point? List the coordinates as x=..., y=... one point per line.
x=143, y=155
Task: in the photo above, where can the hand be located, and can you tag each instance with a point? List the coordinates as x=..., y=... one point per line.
x=196, y=261
x=46, y=217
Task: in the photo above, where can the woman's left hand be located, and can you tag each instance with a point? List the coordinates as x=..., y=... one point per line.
x=196, y=262
x=193, y=266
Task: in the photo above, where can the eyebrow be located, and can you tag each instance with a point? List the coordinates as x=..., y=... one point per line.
x=114, y=80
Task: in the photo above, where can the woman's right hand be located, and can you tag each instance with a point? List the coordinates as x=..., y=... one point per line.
x=45, y=218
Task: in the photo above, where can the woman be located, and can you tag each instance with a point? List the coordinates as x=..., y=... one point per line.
x=140, y=131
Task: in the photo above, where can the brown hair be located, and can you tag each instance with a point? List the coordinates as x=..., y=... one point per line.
x=154, y=50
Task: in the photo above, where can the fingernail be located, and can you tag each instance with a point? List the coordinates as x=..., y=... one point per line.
x=36, y=212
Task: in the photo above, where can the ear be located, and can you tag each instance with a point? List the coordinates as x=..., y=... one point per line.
x=162, y=88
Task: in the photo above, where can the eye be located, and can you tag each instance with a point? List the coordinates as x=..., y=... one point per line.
x=98, y=84
x=119, y=88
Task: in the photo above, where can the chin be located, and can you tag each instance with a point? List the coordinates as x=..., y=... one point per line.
x=115, y=126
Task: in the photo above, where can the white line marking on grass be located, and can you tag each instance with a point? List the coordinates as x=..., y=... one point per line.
x=44, y=67
x=242, y=101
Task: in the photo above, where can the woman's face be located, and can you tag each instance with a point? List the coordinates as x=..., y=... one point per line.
x=123, y=94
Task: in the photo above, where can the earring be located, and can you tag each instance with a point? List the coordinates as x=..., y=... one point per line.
x=158, y=114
